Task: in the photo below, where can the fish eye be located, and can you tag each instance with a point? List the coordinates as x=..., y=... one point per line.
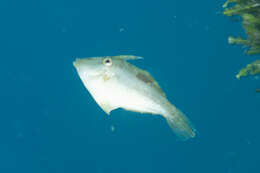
x=107, y=62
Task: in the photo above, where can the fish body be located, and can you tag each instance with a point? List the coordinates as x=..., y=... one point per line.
x=115, y=83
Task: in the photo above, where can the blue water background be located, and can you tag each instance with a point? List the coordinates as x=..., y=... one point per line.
x=50, y=124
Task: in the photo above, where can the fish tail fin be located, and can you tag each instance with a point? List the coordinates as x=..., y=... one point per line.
x=180, y=124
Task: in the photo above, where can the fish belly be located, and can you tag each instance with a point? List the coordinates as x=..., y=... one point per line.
x=136, y=102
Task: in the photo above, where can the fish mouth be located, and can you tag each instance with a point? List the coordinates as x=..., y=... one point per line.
x=76, y=63
x=81, y=68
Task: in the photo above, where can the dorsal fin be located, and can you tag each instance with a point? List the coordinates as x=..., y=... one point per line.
x=127, y=57
x=147, y=78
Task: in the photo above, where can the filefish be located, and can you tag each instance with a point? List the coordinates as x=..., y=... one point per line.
x=115, y=83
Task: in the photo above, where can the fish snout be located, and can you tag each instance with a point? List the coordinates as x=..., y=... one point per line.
x=79, y=63
x=76, y=63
